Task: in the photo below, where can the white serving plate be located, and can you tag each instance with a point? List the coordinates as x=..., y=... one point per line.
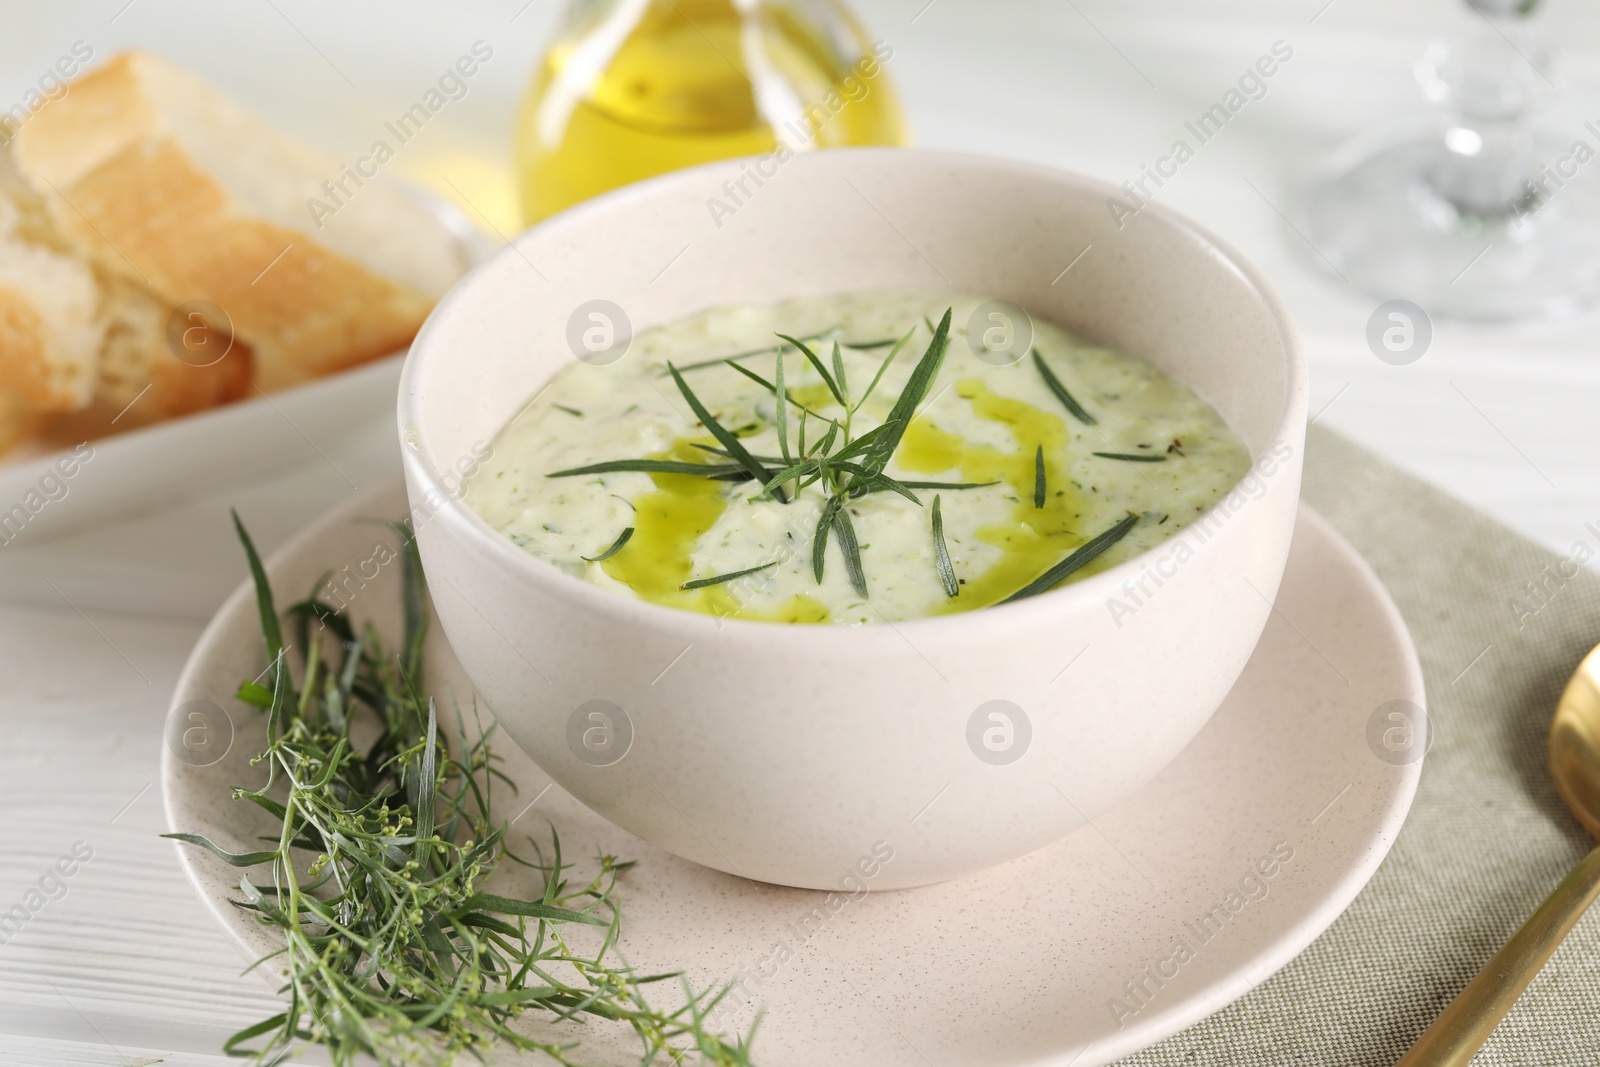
x=1017, y=965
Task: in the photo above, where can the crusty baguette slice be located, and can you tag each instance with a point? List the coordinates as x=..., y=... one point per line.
x=82, y=352
x=140, y=379
x=49, y=336
x=153, y=176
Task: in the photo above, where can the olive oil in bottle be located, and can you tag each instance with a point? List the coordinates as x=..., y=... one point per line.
x=635, y=88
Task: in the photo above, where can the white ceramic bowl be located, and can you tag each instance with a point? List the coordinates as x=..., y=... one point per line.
x=804, y=755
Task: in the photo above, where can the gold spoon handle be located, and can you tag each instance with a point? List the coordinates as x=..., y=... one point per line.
x=1463, y=1027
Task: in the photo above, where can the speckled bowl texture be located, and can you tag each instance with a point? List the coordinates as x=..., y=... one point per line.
x=785, y=753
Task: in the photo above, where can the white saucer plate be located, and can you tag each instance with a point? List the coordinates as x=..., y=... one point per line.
x=1161, y=912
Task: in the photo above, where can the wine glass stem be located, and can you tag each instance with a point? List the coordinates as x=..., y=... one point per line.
x=1487, y=160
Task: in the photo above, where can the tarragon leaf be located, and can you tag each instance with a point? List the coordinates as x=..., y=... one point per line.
x=616, y=546
x=845, y=533
x=820, y=448
x=905, y=406
x=271, y=630
x=789, y=474
x=427, y=791
x=770, y=386
x=1080, y=557
x=752, y=352
x=1038, y=477
x=819, y=540
x=237, y=859
x=864, y=442
x=780, y=417
x=701, y=583
x=648, y=466
x=1066, y=398
x=895, y=351
x=941, y=555
x=548, y=912
x=833, y=386
x=740, y=454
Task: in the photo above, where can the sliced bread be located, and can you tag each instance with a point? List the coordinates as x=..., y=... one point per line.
x=78, y=345
x=49, y=336
x=157, y=180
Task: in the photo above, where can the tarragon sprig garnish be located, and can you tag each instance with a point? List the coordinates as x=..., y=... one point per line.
x=857, y=467
x=846, y=466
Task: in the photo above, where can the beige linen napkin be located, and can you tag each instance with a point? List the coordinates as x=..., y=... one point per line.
x=1499, y=623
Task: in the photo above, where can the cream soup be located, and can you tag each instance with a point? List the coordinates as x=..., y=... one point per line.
x=1037, y=454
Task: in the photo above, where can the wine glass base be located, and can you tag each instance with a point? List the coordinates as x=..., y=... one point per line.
x=1376, y=220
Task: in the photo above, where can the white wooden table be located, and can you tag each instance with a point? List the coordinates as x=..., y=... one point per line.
x=95, y=626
